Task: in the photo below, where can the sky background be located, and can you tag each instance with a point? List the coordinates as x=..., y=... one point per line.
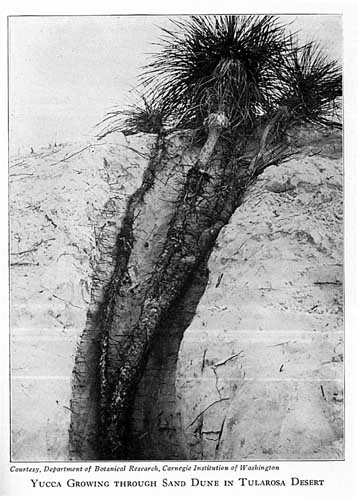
x=65, y=73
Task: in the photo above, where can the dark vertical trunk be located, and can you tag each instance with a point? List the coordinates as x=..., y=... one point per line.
x=208, y=199
x=193, y=229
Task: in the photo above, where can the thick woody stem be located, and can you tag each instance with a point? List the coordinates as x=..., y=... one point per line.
x=216, y=123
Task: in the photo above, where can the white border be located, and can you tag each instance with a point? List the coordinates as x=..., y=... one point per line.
x=339, y=475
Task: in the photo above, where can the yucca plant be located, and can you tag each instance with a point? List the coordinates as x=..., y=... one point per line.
x=310, y=83
x=234, y=77
x=211, y=64
x=144, y=117
x=218, y=71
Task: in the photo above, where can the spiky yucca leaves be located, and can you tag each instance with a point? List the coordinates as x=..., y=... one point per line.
x=211, y=64
x=148, y=117
x=310, y=84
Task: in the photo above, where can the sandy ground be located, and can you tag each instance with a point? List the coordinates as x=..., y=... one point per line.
x=266, y=342
x=260, y=372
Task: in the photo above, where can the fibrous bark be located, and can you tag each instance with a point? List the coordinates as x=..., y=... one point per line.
x=208, y=198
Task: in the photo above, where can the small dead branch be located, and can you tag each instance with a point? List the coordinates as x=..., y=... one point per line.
x=335, y=283
x=20, y=174
x=206, y=409
x=203, y=361
x=222, y=362
x=34, y=247
x=216, y=381
x=220, y=435
x=66, y=158
x=68, y=302
x=24, y=264
x=51, y=221
x=219, y=280
x=145, y=156
x=322, y=392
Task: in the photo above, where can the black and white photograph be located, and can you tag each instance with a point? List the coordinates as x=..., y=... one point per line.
x=176, y=236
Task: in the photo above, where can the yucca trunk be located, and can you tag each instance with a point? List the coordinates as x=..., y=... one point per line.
x=190, y=235
x=216, y=123
x=208, y=199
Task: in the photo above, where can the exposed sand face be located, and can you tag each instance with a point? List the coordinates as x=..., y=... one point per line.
x=259, y=372
x=65, y=214
x=152, y=214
